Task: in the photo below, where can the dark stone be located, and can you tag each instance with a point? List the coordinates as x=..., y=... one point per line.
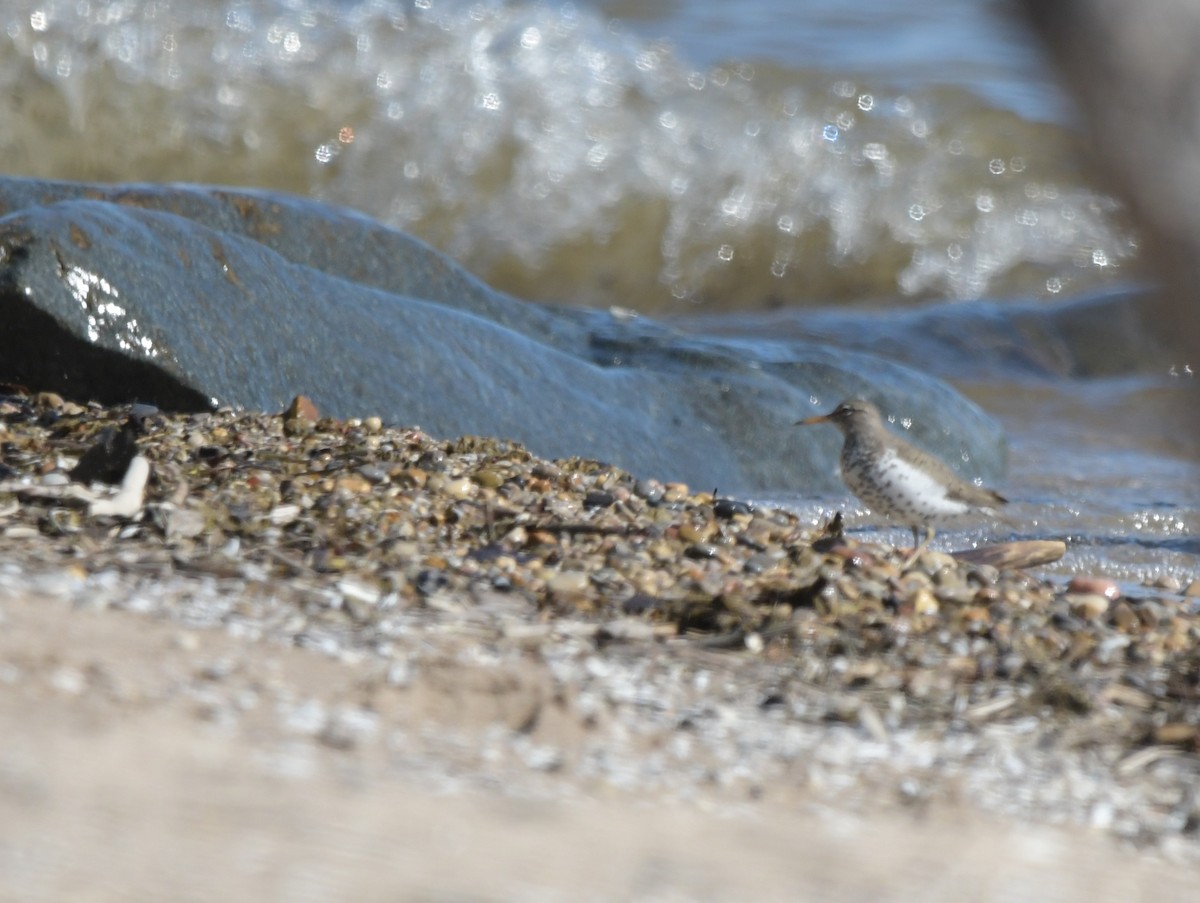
x=190, y=297
x=727, y=508
x=107, y=459
x=598, y=498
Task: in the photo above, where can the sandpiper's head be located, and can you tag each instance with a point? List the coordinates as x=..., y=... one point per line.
x=851, y=413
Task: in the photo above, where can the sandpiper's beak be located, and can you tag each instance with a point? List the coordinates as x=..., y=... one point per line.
x=808, y=421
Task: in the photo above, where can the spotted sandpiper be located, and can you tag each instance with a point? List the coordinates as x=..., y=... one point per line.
x=897, y=480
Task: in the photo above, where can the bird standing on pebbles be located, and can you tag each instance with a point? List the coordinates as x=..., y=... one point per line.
x=898, y=480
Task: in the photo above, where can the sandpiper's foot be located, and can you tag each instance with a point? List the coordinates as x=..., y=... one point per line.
x=919, y=546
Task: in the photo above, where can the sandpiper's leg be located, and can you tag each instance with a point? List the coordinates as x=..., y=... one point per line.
x=919, y=547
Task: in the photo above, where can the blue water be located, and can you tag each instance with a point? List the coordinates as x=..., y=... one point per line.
x=969, y=43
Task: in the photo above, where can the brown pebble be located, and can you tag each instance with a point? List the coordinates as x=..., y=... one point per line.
x=302, y=408
x=409, y=476
x=692, y=533
x=488, y=478
x=1192, y=589
x=1101, y=586
x=924, y=603
x=975, y=614
x=1124, y=617
x=353, y=482
x=1167, y=582
x=1176, y=733
x=675, y=492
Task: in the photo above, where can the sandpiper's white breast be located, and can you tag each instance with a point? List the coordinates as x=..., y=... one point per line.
x=896, y=488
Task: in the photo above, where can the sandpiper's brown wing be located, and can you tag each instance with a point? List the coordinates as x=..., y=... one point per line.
x=979, y=496
x=956, y=487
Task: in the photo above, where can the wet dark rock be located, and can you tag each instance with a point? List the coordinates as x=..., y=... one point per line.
x=191, y=297
x=107, y=459
x=640, y=603
x=598, y=498
x=727, y=508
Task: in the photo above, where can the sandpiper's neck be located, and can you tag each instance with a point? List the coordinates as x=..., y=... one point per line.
x=870, y=439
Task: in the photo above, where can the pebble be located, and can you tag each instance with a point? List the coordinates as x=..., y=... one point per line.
x=1088, y=605
x=1168, y=582
x=185, y=523
x=569, y=582
x=650, y=490
x=924, y=602
x=1101, y=586
x=598, y=498
x=302, y=408
x=488, y=478
x=462, y=488
x=674, y=492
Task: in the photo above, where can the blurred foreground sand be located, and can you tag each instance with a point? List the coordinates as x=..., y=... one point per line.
x=117, y=783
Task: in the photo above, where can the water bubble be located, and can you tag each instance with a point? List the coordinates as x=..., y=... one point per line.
x=875, y=150
x=531, y=37
x=646, y=61
x=596, y=155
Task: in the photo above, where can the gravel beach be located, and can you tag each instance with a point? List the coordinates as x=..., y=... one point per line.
x=329, y=657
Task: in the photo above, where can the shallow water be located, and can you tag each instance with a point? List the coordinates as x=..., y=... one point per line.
x=1076, y=474
x=565, y=155
x=675, y=158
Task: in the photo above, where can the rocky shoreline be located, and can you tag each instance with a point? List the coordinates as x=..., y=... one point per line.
x=626, y=633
